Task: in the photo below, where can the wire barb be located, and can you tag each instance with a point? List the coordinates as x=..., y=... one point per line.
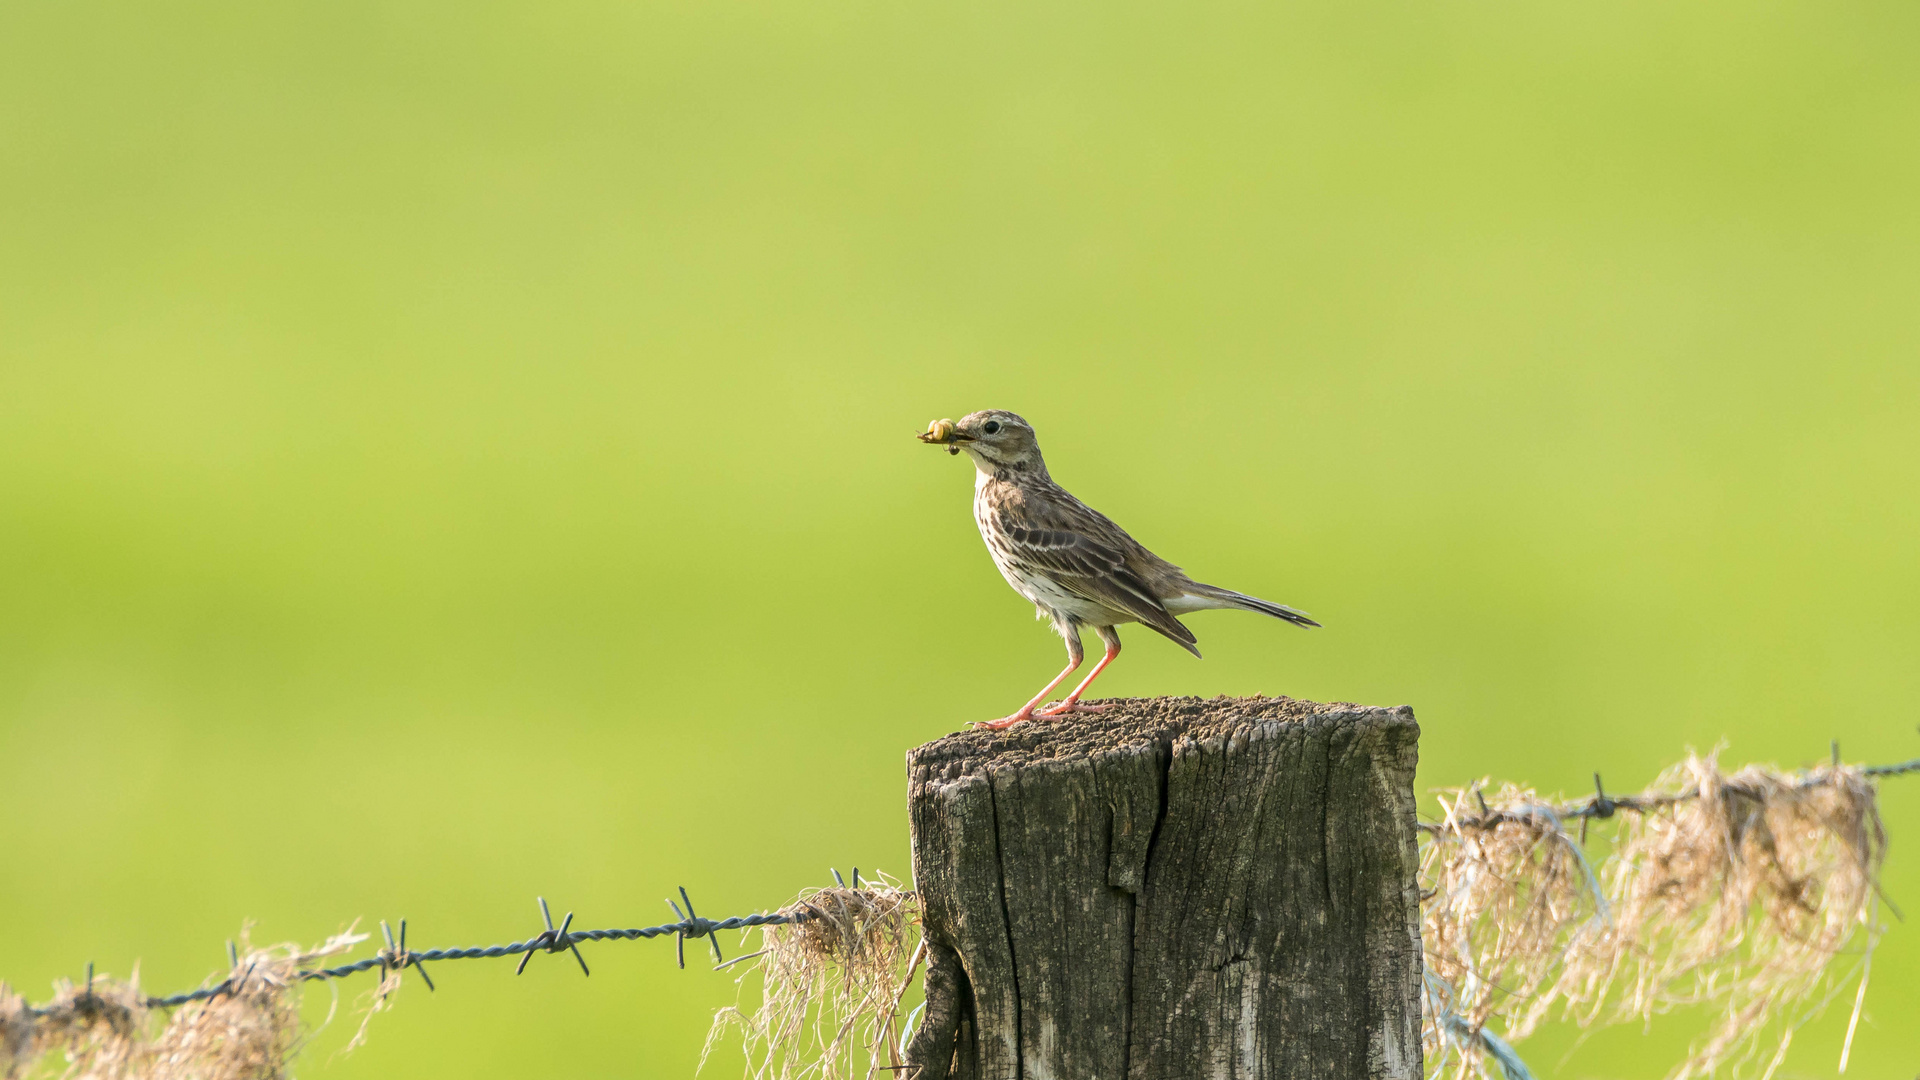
x=693, y=926
x=552, y=940
x=398, y=957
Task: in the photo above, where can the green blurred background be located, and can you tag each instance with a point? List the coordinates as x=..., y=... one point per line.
x=454, y=452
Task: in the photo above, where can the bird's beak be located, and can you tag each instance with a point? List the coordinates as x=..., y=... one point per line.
x=944, y=433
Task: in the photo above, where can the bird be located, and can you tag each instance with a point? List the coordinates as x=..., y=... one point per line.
x=1077, y=567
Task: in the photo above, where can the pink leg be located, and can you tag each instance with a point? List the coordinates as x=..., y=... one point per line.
x=1072, y=704
x=1026, y=711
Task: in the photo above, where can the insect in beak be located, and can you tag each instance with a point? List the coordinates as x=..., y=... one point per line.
x=943, y=433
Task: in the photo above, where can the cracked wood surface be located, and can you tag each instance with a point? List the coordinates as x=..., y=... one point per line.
x=1174, y=889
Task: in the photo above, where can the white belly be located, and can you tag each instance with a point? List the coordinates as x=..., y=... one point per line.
x=1054, y=601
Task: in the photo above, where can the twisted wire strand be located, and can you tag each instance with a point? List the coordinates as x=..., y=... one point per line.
x=401, y=958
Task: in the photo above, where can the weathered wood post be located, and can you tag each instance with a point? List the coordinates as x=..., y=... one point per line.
x=1174, y=889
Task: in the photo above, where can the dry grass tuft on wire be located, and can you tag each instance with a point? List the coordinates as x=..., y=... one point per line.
x=1734, y=892
x=831, y=986
x=104, y=1030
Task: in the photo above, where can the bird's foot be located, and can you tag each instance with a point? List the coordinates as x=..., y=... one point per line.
x=1004, y=722
x=1030, y=713
x=1066, y=707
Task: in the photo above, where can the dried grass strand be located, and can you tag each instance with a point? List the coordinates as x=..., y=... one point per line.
x=105, y=1030
x=1732, y=892
x=831, y=986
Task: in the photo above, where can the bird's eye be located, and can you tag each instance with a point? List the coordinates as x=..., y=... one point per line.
x=991, y=427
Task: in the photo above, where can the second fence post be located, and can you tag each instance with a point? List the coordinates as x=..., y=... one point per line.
x=1175, y=888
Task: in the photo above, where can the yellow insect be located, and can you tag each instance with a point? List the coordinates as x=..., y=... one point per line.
x=941, y=431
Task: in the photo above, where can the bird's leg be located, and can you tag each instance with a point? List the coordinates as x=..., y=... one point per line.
x=1072, y=704
x=1075, y=654
x=1026, y=711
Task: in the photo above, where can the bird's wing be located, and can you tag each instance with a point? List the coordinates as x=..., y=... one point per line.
x=1071, y=552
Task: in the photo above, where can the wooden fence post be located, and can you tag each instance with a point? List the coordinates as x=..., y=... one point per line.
x=1174, y=889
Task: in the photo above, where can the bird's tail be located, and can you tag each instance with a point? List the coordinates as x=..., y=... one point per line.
x=1213, y=596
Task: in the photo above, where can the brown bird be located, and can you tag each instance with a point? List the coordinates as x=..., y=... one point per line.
x=1078, y=568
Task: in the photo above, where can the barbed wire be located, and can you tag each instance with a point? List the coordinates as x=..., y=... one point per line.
x=396, y=956
x=1455, y=1031
x=1602, y=806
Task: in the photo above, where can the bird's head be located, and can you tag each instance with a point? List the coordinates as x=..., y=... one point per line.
x=995, y=439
